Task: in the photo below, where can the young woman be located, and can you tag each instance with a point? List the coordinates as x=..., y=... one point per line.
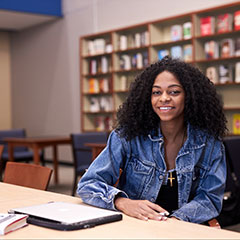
x=167, y=143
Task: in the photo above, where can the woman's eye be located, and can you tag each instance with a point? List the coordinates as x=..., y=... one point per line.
x=156, y=93
x=174, y=92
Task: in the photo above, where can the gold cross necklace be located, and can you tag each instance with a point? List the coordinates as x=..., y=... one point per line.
x=171, y=178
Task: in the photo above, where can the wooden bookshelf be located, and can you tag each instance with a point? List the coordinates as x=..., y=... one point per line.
x=109, y=61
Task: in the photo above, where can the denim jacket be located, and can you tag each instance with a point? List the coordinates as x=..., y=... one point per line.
x=200, y=167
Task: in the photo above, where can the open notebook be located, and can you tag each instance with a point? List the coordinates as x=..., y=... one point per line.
x=67, y=216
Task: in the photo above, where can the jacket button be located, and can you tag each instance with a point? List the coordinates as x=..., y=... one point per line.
x=161, y=177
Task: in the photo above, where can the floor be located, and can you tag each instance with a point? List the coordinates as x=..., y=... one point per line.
x=65, y=187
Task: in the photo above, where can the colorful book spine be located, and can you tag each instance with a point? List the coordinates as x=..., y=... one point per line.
x=236, y=123
x=211, y=73
x=237, y=20
x=227, y=47
x=207, y=25
x=176, y=32
x=224, y=23
x=211, y=49
x=237, y=72
x=187, y=30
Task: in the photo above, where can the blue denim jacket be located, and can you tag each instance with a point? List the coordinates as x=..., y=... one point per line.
x=200, y=167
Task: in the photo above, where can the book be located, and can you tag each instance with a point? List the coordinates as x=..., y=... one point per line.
x=123, y=42
x=237, y=47
x=211, y=49
x=99, y=45
x=139, y=60
x=94, y=104
x=99, y=123
x=104, y=85
x=108, y=123
x=105, y=103
x=104, y=64
x=224, y=23
x=93, y=85
x=236, y=123
x=207, y=25
x=125, y=62
x=187, y=52
x=227, y=48
x=123, y=83
x=162, y=53
x=145, y=38
x=176, y=52
x=211, y=73
x=90, y=47
x=145, y=59
x=93, y=66
x=134, y=61
x=237, y=20
x=109, y=48
x=225, y=73
x=187, y=30
x=137, y=38
x=237, y=72
x=176, y=32
x=11, y=222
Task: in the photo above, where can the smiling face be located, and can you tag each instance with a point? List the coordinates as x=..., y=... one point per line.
x=168, y=97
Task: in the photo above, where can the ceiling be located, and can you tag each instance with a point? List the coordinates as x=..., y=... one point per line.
x=16, y=21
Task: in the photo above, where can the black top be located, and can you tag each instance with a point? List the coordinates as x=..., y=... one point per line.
x=168, y=194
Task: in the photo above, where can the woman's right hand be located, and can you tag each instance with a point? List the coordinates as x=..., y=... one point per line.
x=141, y=209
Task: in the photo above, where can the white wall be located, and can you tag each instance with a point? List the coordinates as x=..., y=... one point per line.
x=45, y=59
x=5, y=82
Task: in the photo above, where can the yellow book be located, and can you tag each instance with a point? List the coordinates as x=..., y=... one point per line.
x=236, y=123
x=93, y=85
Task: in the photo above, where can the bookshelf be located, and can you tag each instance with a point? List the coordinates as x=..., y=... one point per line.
x=109, y=61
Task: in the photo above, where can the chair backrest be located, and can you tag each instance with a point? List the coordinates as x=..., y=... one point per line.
x=1, y=151
x=232, y=147
x=27, y=175
x=18, y=133
x=82, y=154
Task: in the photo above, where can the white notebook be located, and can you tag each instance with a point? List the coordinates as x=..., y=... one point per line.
x=67, y=216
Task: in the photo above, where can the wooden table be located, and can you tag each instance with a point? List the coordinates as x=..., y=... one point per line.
x=12, y=196
x=96, y=148
x=36, y=144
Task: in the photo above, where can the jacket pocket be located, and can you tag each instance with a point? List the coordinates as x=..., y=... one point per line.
x=137, y=175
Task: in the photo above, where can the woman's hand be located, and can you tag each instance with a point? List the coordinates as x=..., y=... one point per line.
x=141, y=209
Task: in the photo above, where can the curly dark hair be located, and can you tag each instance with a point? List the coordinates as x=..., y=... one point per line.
x=203, y=107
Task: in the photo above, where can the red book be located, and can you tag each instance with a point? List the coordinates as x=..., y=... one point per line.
x=224, y=23
x=237, y=20
x=207, y=25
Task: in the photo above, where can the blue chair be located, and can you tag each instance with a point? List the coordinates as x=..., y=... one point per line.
x=82, y=155
x=20, y=153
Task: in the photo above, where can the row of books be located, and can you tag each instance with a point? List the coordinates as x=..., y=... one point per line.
x=227, y=47
x=99, y=85
x=222, y=23
x=101, y=104
x=99, y=65
x=124, y=82
x=182, y=52
x=179, y=32
x=133, y=40
x=103, y=123
x=138, y=60
x=224, y=73
x=99, y=46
